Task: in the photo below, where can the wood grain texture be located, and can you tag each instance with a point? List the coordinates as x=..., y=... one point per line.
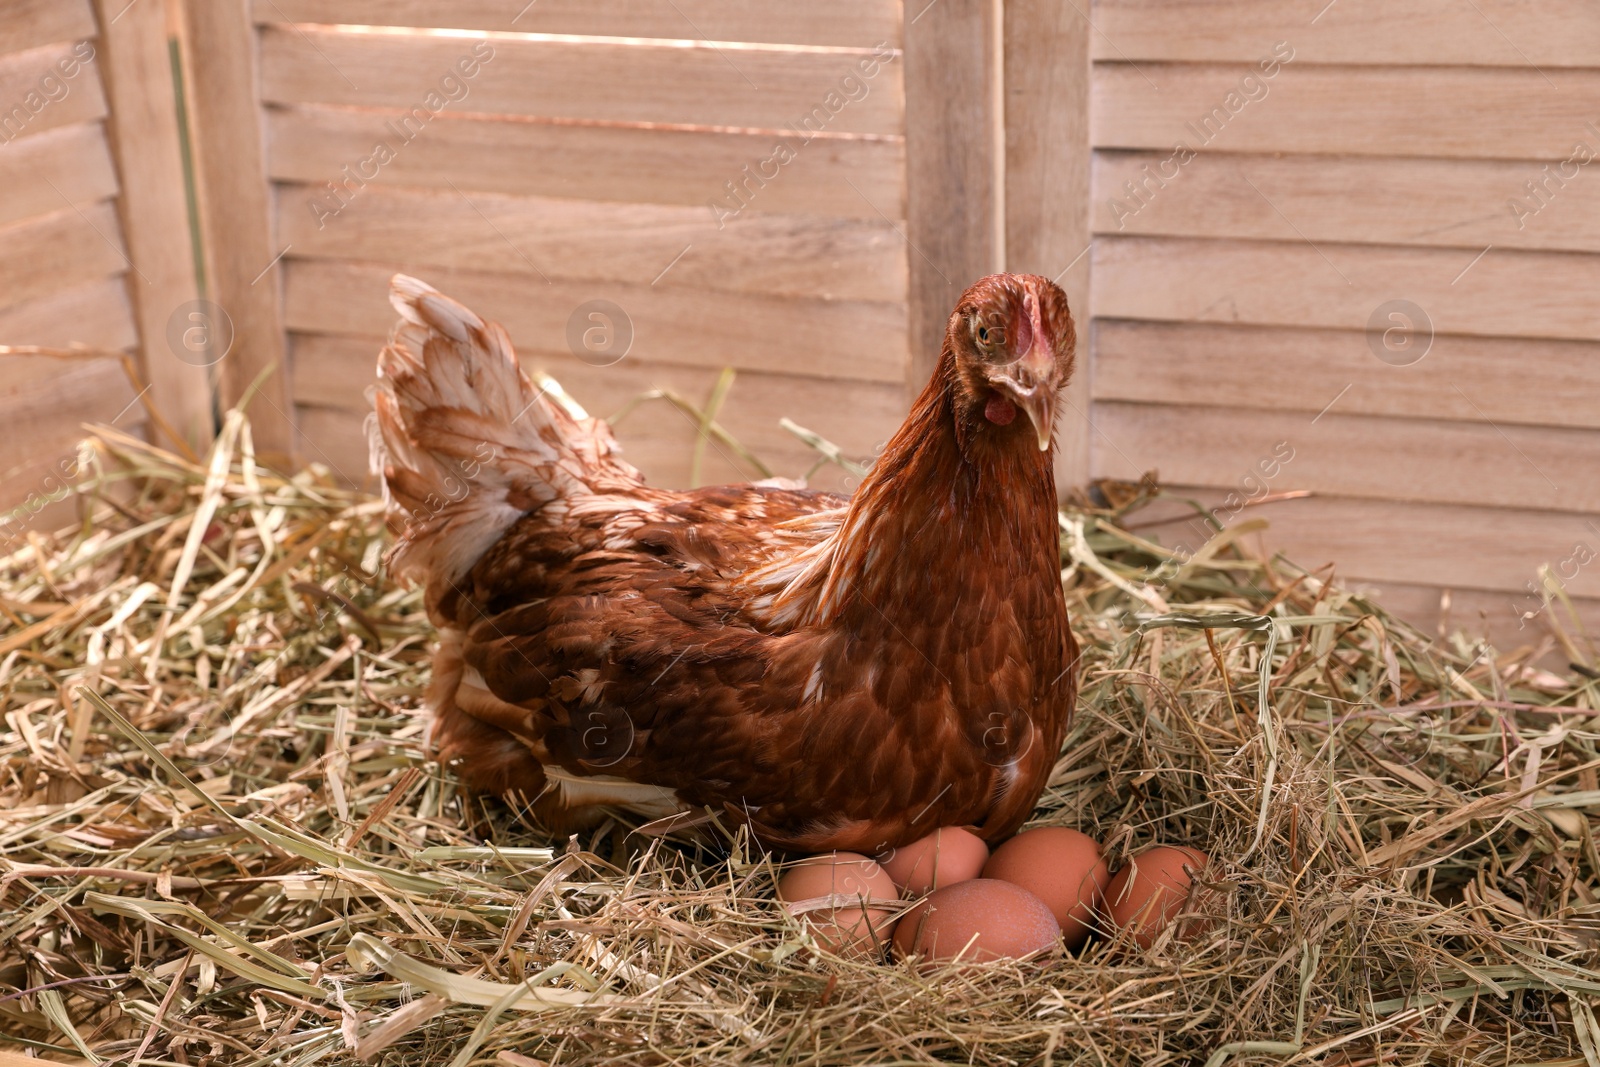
x=1428, y=202
x=66, y=248
x=67, y=165
x=220, y=75
x=1293, y=283
x=1422, y=544
x=1509, y=381
x=33, y=23
x=835, y=23
x=768, y=88
x=828, y=176
x=34, y=96
x=1370, y=111
x=1502, y=33
x=849, y=340
x=667, y=246
x=96, y=315
x=1047, y=194
x=44, y=409
x=1413, y=459
x=656, y=435
x=143, y=127
x=954, y=163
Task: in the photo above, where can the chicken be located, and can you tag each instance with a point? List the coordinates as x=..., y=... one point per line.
x=835, y=673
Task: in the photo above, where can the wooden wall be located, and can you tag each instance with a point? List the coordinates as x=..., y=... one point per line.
x=1242, y=284
x=94, y=241
x=578, y=152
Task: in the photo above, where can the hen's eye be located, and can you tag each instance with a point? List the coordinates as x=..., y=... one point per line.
x=991, y=336
x=983, y=334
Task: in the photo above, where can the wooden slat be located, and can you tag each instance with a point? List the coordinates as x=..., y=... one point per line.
x=1046, y=187
x=1422, y=544
x=763, y=88
x=67, y=248
x=1495, y=616
x=69, y=165
x=955, y=162
x=26, y=107
x=1295, y=284
x=843, y=339
x=1441, y=203
x=220, y=79
x=655, y=435
x=1353, y=455
x=834, y=176
x=1508, y=33
x=838, y=23
x=1373, y=111
x=642, y=244
x=43, y=410
x=155, y=217
x=96, y=315
x=33, y=23
x=1537, y=383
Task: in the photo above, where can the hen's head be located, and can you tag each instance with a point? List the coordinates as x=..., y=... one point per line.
x=1012, y=339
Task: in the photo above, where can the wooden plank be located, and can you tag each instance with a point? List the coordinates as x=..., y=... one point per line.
x=829, y=339
x=44, y=408
x=716, y=172
x=37, y=94
x=96, y=315
x=33, y=23
x=155, y=216
x=859, y=419
x=1430, y=202
x=1353, y=455
x=669, y=246
x=1536, y=383
x=66, y=248
x=1297, y=284
x=768, y=88
x=1508, y=33
x=837, y=23
x=955, y=163
x=1372, y=111
x=68, y=165
x=1047, y=189
x=1497, y=617
x=220, y=79
x=1422, y=544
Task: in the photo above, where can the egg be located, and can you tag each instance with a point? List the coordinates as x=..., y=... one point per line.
x=850, y=881
x=979, y=919
x=1061, y=867
x=1150, y=889
x=945, y=857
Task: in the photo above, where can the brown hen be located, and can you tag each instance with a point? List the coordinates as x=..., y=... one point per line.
x=838, y=673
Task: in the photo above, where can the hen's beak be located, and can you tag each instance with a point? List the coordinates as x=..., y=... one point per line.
x=1040, y=407
x=1028, y=383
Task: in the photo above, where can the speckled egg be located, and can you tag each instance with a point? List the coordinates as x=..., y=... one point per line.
x=1151, y=888
x=1061, y=867
x=945, y=857
x=979, y=919
x=849, y=882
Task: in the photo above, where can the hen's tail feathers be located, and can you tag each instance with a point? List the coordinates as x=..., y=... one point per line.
x=465, y=443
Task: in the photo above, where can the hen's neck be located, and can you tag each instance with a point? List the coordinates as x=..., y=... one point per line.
x=954, y=512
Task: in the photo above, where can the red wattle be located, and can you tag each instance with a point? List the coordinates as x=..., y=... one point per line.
x=1000, y=411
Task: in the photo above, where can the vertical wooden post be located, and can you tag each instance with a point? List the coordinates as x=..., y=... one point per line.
x=219, y=48
x=954, y=166
x=136, y=69
x=1047, y=195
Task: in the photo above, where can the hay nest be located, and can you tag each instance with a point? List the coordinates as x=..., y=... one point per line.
x=220, y=841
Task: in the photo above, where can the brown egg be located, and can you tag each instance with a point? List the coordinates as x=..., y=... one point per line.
x=850, y=880
x=1061, y=867
x=1150, y=889
x=979, y=919
x=944, y=857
